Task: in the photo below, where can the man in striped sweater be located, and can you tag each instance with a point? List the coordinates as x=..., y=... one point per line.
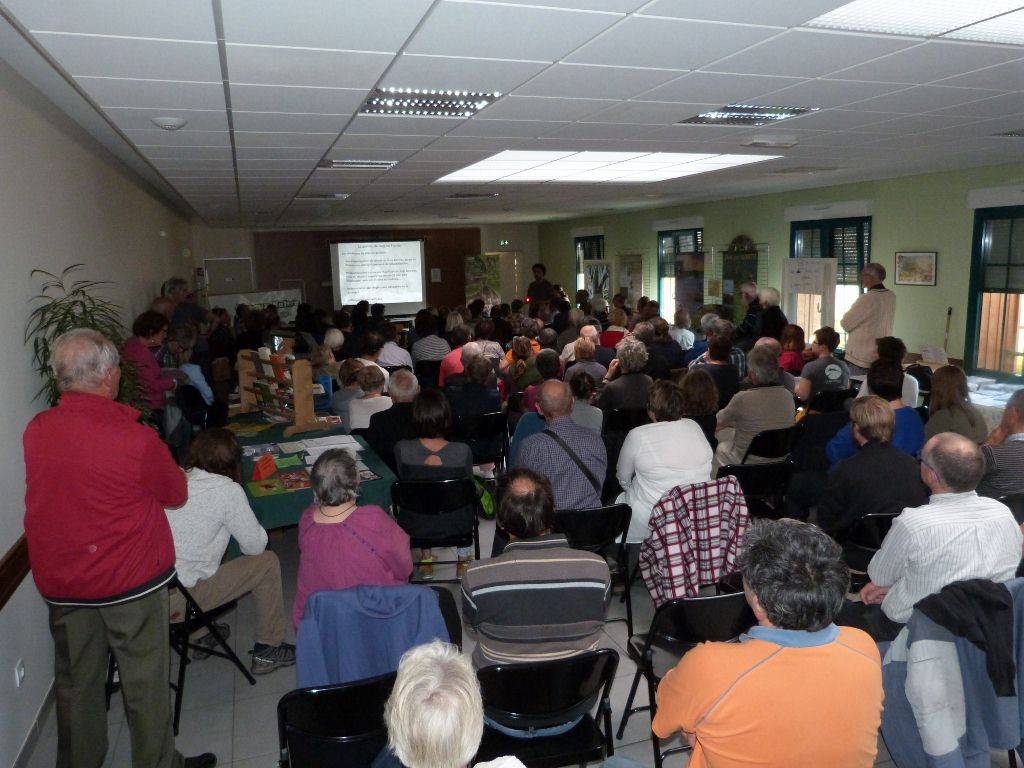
x=539, y=600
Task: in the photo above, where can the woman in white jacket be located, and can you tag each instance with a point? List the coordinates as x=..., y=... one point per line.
x=657, y=457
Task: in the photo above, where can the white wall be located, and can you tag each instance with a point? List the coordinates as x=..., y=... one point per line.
x=523, y=245
x=63, y=200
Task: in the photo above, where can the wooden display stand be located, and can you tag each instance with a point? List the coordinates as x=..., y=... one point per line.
x=288, y=393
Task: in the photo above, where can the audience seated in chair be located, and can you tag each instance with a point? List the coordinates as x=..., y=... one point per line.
x=539, y=599
x=216, y=512
x=796, y=690
x=657, y=457
x=957, y=535
x=626, y=384
x=389, y=426
x=716, y=365
x=908, y=435
x=1003, y=451
x=342, y=544
x=878, y=478
x=435, y=715
x=348, y=378
x=825, y=373
x=766, y=405
x=949, y=406
x=373, y=400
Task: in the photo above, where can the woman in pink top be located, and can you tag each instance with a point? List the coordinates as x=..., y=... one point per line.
x=149, y=331
x=341, y=544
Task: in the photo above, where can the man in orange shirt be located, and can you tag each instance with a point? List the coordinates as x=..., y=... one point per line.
x=796, y=690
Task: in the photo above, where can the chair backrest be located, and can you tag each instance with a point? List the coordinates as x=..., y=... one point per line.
x=547, y=693
x=391, y=369
x=481, y=426
x=868, y=531
x=922, y=411
x=335, y=725
x=923, y=374
x=433, y=497
x=827, y=402
x=759, y=481
x=593, y=529
x=624, y=419
x=771, y=444
x=428, y=372
x=1015, y=501
x=693, y=620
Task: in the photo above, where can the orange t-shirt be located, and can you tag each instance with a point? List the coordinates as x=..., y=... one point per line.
x=762, y=703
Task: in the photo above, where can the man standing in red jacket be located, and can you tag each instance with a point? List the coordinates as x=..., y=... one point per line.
x=102, y=555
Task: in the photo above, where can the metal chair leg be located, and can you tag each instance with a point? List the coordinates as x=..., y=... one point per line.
x=629, y=709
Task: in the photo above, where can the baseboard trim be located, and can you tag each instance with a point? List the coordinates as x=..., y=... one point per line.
x=32, y=739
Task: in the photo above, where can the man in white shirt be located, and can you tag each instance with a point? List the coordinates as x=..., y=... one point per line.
x=871, y=317
x=391, y=354
x=958, y=535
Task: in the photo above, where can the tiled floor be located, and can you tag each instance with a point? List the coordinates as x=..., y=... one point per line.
x=225, y=715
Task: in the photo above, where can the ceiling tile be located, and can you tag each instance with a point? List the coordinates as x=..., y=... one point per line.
x=382, y=25
x=255, y=163
x=141, y=119
x=156, y=94
x=281, y=121
x=931, y=61
x=592, y=131
x=277, y=98
x=809, y=53
x=402, y=126
x=834, y=120
x=180, y=20
x=352, y=140
x=668, y=43
x=541, y=108
x=175, y=153
x=1002, y=105
x=284, y=153
x=502, y=128
x=294, y=66
x=592, y=82
x=182, y=138
x=649, y=113
x=463, y=74
x=610, y=6
x=134, y=58
x=920, y=123
x=788, y=14
x=1005, y=77
x=922, y=98
x=254, y=139
x=710, y=87
x=517, y=32
x=349, y=153
x=828, y=93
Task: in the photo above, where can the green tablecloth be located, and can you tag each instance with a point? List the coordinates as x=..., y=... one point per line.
x=282, y=510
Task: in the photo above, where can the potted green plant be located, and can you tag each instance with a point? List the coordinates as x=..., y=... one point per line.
x=65, y=303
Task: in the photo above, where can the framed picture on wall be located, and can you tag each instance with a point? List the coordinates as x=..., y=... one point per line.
x=916, y=267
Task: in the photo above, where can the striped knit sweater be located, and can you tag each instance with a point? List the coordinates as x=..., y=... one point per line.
x=539, y=600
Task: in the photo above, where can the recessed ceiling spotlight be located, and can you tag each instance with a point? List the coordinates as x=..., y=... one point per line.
x=357, y=165
x=169, y=123
x=426, y=102
x=746, y=114
x=511, y=167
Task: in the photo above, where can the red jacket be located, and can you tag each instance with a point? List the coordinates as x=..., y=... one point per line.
x=97, y=483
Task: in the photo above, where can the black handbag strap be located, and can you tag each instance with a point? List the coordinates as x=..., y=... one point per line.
x=572, y=455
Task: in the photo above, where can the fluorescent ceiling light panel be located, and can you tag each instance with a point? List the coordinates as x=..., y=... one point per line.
x=923, y=18
x=426, y=102
x=746, y=114
x=1006, y=30
x=593, y=167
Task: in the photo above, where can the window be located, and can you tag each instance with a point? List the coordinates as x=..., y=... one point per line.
x=590, y=248
x=995, y=339
x=681, y=271
x=848, y=241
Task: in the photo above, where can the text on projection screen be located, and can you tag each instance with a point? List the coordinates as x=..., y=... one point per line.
x=389, y=273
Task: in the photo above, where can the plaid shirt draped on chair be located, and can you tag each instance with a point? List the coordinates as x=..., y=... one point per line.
x=695, y=534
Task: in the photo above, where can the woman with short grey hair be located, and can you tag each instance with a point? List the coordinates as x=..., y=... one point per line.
x=766, y=405
x=625, y=384
x=342, y=544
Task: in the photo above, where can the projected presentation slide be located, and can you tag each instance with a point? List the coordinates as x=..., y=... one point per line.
x=389, y=273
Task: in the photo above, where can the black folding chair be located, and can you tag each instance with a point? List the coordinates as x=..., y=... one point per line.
x=624, y=419
x=860, y=542
x=828, y=402
x=678, y=626
x=771, y=444
x=545, y=694
x=597, y=530
x=923, y=374
x=764, y=486
x=438, y=513
x=337, y=725
x=1015, y=501
x=487, y=436
x=427, y=373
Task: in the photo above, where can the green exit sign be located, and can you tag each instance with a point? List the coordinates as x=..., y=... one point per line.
x=502, y=243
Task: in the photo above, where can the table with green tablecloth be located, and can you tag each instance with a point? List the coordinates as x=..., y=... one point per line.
x=284, y=509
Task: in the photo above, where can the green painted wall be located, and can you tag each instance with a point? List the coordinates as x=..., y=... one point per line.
x=913, y=213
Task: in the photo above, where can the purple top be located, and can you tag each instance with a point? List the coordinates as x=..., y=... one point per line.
x=367, y=548
x=153, y=382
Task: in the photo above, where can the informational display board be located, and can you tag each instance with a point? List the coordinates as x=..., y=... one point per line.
x=483, y=279
x=809, y=292
x=286, y=301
